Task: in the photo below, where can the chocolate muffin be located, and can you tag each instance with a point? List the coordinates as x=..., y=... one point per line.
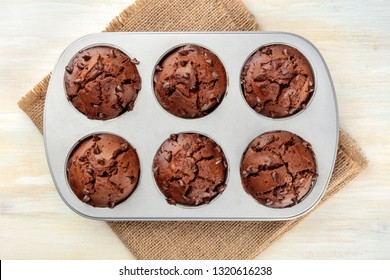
x=190, y=82
x=103, y=170
x=102, y=82
x=277, y=81
x=190, y=169
x=278, y=169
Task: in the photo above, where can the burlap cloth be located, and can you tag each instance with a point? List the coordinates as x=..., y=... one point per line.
x=200, y=240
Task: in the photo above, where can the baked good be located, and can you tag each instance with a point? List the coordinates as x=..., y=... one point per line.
x=277, y=81
x=190, y=169
x=190, y=82
x=103, y=170
x=102, y=82
x=278, y=169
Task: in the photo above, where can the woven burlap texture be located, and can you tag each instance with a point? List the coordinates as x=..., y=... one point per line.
x=200, y=240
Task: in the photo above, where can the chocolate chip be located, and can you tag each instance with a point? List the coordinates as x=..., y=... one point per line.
x=208, y=105
x=69, y=69
x=113, y=53
x=274, y=176
x=85, y=191
x=80, y=65
x=268, y=202
x=186, y=146
x=173, y=137
x=99, y=66
x=116, y=106
x=248, y=88
x=96, y=138
x=125, y=146
x=183, y=52
x=90, y=171
x=130, y=106
x=171, y=201
x=119, y=88
x=96, y=150
x=183, y=62
x=221, y=188
x=86, y=57
x=225, y=164
x=100, y=161
x=252, y=170
x=194, y=169
x=83, y=158
x=166, y=85
x=268, y=51
x=134, y=60
x=111, y=204
x=186, y=75
x=168, y=156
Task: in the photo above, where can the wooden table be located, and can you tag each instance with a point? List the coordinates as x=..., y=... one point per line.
x=353, y=38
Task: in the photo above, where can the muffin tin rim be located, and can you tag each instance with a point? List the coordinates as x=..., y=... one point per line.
x=329, y=80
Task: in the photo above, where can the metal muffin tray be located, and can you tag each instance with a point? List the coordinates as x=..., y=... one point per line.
x=233, y=125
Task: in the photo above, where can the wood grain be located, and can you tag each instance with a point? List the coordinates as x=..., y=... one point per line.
x=351, y=35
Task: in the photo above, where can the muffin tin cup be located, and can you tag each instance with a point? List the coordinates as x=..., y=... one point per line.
x=233, y=125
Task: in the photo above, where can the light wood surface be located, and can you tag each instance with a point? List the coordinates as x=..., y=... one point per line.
x=353, y=38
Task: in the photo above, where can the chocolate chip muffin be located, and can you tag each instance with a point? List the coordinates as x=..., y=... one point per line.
x=278, y=169
x=277, y=81
x=190, y=169
x=190, y=82
x=103, y=170
x=102, y=82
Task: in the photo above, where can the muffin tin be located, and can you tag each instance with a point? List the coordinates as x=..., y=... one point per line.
x=233, y=125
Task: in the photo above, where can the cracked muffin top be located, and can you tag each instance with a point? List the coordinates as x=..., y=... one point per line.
x=190, y=82
x=277, y=81
x=190, y=169
x=103, y=170
x=102, y=82
x=278, y=169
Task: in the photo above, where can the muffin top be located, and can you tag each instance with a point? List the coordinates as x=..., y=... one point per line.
x=278, y=169
x=103, y=170
x=102, y=82
x=277, y=81
x=190, y=82
x=190, y=169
